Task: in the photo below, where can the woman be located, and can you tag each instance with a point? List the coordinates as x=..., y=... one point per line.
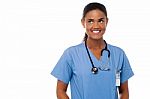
x=95, y=69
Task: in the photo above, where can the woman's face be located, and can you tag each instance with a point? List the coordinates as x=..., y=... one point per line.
x=95, y=23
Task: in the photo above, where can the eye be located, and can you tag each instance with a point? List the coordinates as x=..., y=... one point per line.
x=90, y=21
x=101, y=21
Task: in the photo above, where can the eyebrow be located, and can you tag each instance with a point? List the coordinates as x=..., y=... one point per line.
x=98, y=19
x=101, y=19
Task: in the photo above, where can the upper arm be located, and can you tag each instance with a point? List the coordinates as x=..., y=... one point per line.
x=123, y=90
x=123, y=87
x=61, y=86
x=61, y=90
x=63, y=69
x=126, y=70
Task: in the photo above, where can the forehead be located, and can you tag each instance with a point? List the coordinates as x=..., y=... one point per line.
x=95, y=14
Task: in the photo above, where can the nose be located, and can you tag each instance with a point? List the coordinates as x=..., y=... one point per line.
x=95, y=25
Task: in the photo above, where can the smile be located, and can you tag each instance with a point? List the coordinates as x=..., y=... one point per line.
x=96, y=31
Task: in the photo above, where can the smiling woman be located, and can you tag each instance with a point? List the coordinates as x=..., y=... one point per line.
x=34, y=33
x=95, y=23
x=94, y=68
x=94, y=20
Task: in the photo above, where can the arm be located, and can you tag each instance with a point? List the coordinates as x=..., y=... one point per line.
x=61, y=90
x=123, y=90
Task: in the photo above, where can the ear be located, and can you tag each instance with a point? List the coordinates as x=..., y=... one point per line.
x=83, y=22
x=107, y=21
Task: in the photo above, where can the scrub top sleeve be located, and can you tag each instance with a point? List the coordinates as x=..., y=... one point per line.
x=126, y=70
x=62, y=71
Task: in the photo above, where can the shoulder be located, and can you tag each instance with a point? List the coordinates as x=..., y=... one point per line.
x=74, y=50
x=117, y=53
x=115, y=49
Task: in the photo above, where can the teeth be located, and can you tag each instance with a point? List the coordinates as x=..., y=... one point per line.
x=96, y=31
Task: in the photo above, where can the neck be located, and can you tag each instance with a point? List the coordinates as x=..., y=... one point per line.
x=95, y=44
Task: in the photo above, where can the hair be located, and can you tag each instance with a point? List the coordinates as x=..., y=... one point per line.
x=93, y=6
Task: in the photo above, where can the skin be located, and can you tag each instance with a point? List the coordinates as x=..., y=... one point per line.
x=95, y=20
x=124, y=91
x=61, y=90
x=95, y=23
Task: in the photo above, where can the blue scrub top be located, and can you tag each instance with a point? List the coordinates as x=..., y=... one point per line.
x=74, y=66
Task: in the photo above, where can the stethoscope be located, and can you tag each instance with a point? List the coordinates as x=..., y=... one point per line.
x=94, y=69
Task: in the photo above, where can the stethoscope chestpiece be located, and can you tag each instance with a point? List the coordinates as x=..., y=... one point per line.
x=94, y=70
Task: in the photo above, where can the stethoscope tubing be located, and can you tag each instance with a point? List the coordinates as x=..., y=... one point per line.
x=95, y=69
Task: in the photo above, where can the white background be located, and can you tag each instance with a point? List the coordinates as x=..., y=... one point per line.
x=34, y=34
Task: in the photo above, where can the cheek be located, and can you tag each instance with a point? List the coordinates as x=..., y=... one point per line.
x=103, y=27
x=88, y=26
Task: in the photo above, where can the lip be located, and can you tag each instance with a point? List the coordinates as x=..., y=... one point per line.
x=96, y=31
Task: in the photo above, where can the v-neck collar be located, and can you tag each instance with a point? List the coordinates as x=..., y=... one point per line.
x=93, y=57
